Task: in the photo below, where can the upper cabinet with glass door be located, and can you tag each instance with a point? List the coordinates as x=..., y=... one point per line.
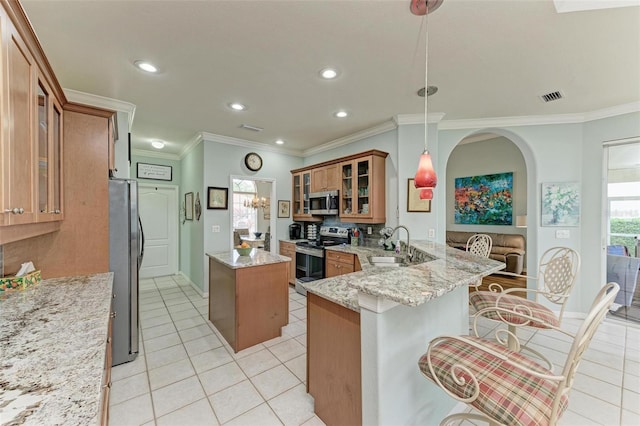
x=301, y=190
x=49, y=143
x=362, y=192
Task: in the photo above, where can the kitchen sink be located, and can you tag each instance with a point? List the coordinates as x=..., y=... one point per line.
x=387, y=261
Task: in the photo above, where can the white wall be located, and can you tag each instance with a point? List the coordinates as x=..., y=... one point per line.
x=191, y=232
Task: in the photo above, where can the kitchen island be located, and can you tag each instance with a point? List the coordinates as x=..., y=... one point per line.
x=54, y=352
x=366, y=331
x=248, y=296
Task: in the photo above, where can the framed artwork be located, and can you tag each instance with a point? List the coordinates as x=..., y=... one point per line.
x=217, y=198
x=154, y=171
x=414, y=203
x=198, y=206
x=561, y=204
x=188, y=205
x=484, y=200
x=284, y=207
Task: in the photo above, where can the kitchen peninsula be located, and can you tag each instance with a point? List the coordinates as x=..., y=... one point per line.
x=248, y=296
x=366, y=331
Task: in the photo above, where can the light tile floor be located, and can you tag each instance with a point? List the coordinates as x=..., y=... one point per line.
x=187, y=374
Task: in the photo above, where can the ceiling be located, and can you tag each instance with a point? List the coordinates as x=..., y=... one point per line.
x=488, y=59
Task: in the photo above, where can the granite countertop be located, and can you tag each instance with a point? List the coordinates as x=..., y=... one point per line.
x=437, y=270
x=53, y=340
x=256, y=257
x=299, y=240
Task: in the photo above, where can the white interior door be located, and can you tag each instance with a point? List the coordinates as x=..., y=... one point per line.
x=158, y=206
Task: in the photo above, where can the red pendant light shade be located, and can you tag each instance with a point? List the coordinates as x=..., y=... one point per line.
x=425, y=178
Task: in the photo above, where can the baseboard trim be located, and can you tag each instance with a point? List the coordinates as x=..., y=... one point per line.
x=195, y=287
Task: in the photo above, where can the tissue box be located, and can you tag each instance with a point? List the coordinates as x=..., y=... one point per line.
x=20, y=283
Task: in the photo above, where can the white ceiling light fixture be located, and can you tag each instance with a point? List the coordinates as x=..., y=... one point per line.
x=157, y=144
x=341, y=114
x=237, y=106
x=146, y=66
x=328, y=73
x=279, y=142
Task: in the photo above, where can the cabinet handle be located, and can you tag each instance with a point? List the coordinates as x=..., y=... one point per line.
x=15, y=210
x=113, y=314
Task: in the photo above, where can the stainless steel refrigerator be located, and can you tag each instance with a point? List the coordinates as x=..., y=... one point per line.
x=126, y=249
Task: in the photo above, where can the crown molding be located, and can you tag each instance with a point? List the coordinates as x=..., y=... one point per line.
x=432, y=118
x=228, y=140
x=354, y=137
x=538, y=120
x=102, y=102
x=154, y=154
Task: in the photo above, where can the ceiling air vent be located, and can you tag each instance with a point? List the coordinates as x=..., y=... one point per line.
x=553, y=96
x=252, y=128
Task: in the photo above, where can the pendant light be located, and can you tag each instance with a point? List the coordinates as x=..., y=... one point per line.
x=425, y=179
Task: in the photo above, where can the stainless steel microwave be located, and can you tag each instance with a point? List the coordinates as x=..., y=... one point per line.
x=323, y=203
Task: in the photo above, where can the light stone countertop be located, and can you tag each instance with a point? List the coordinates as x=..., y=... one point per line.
x=437, y=270
x=52, y=351
x=256, y=257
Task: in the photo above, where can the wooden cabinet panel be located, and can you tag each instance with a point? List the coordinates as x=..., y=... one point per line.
x=338, y=263
x=301, y=190
x=289, y=249
x=106, y=375
x=324, y=178
x=334, y=361
x=18, y=139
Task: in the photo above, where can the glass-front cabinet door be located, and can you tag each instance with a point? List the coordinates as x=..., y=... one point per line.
x=49, y=145
x=301, y=191
x=356, y=185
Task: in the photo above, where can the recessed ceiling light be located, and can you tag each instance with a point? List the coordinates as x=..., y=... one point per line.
x=341, y=114
x=236, y=106
x=157, y=144
x=279, y=142
x=328, y=73
x=146, y=66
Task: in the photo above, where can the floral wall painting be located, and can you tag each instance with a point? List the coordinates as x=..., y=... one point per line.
x=484, y=200
x=561, y=204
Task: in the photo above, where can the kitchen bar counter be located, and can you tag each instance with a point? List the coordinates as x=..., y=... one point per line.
x=52, y=351
x=438, y=270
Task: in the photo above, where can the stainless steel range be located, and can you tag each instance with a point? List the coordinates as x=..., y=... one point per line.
x=310, y=254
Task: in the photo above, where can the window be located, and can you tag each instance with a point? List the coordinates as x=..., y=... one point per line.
x=623, y=195
x=244, y=217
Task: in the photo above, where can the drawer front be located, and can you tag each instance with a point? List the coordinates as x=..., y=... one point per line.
x=336, y=256
x=334, y=268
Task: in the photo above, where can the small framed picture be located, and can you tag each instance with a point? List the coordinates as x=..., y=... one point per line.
x=217, y=198
x=188, y=205
x=414, y=203
x=284, y=207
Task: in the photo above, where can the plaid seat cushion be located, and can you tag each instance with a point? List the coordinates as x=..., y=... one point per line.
x=488, y=299
x=507, y=395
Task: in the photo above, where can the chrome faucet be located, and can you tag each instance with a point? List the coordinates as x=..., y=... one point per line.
x=409, y=255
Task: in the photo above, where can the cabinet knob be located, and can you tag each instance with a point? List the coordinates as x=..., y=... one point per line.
x=15, y=210
x=113, y=314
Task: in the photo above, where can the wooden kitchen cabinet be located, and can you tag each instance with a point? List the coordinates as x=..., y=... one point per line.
x=324, y=178
x=339, y=263
x=18, y=201
x=362, y=189
x=301, y=190
x=31, y=142
x=289, y=249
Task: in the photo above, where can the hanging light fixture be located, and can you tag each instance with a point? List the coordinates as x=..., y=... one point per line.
x=425, y=179
x=256, y=203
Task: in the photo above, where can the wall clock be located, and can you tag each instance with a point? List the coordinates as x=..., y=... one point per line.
x=253, y=161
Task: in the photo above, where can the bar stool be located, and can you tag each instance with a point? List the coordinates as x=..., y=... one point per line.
x=480, y=245
x=557, y=272
x=506, y=387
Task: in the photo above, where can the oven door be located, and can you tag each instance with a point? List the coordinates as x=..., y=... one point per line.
x=309, y=266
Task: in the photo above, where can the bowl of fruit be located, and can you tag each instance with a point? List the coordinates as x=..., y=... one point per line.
x=243, y=249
